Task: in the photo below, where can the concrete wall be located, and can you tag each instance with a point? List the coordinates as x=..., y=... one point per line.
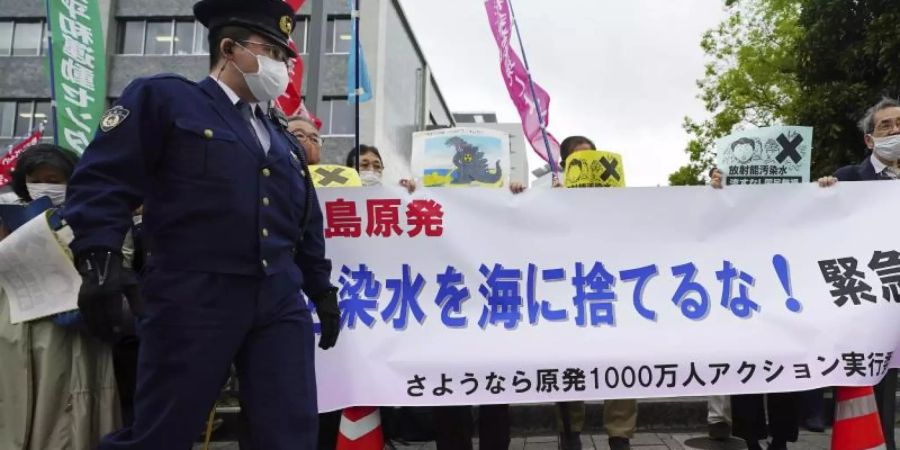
x=154, y=8
x=405, y=92
x=24, y=77
x=436, y=106
x=399, y=115
x=22, y=8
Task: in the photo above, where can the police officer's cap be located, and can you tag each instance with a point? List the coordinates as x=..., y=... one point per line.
x=273, y=19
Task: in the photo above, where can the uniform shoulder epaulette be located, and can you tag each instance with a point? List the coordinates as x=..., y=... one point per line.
x=278, y=117
x=171, y=76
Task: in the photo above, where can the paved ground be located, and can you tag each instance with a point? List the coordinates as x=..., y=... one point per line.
x=643, y=441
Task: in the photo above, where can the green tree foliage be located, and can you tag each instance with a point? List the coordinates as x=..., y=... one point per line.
x=689, y=175
x=848, y=59
x=818, y=63
x=750, y=79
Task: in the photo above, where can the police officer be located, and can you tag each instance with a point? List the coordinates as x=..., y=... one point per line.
x=233, y=232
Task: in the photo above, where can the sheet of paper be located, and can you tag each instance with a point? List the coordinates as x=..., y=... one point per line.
x=36, y=274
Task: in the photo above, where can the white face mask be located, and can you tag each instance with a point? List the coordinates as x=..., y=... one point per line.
x=56, y=192
x=888, y=147
x=270, y=82
x=370, y=177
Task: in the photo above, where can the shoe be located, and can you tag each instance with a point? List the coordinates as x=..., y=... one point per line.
x=753, y=445
x=778, y=444
x=814, y=424
x=719, y=431
x=570, y=441
x=619, y=443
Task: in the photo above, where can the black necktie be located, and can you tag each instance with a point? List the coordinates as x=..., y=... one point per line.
x=247, y=114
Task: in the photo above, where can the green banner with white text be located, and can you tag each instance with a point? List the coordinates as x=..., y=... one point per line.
x=79, y=70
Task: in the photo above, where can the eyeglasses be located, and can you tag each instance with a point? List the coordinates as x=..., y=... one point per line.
x=272, y=51
x=309, y=138
x=888, y=125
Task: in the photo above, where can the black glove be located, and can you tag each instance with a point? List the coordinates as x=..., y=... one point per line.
x=329, y=318
x=105, y=286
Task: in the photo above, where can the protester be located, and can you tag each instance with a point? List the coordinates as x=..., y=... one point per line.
x=749, y=418
x=57, y=385
x=43, y=171
x=750, y=422
x=7, y=198
x=812, y=410
x=370, y=166
x=881, y=127
x=454, y=425
x=619, y=416
x=234, y=236
x=455, y=428
x=718, y=417
x=307, y=134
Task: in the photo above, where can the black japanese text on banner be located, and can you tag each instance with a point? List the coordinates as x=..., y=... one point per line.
x=476, y=296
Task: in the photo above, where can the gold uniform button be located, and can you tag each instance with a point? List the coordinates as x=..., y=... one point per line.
x=265, y=232
x=266, y=172
x=208, y=133
x=265, y=201
x=265, y=263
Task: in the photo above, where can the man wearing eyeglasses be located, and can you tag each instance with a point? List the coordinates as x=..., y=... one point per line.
x=306, y=132
x=881, y=126
x=233, y=234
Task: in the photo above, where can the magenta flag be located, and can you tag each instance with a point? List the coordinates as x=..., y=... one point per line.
x=516, y=77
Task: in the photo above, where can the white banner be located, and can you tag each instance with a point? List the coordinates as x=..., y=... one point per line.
x=477, y=296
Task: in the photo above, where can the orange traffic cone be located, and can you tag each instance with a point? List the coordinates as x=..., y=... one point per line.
x=360, y=429
x=856, y=422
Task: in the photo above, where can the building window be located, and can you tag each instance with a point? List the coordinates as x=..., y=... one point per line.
x=7, y=119
x=6, y=38
x=131, y=40
x=201, y=40
x=338, y=39
x=162, y=37
x=184, y=38
x=27, y=39
x=339, y=118
x=23, y=38
x=301, y=34
x=19, y=118
x=158, y=38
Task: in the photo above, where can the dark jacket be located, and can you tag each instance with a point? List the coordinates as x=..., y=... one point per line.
x=214, y=201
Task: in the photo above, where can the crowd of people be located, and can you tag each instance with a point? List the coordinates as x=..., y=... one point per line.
x=212, y=271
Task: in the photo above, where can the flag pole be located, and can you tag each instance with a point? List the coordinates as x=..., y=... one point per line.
x=537, y=103
x=52, y=74
x=356, y=93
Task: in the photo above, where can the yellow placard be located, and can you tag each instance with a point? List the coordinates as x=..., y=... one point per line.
x=594, y=168
x=333, y=175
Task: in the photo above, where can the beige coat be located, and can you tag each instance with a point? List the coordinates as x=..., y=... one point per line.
x=57, y=387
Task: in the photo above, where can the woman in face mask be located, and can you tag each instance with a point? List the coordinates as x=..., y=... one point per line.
x=43, y=171
x=49, y=365
x=371, y=166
